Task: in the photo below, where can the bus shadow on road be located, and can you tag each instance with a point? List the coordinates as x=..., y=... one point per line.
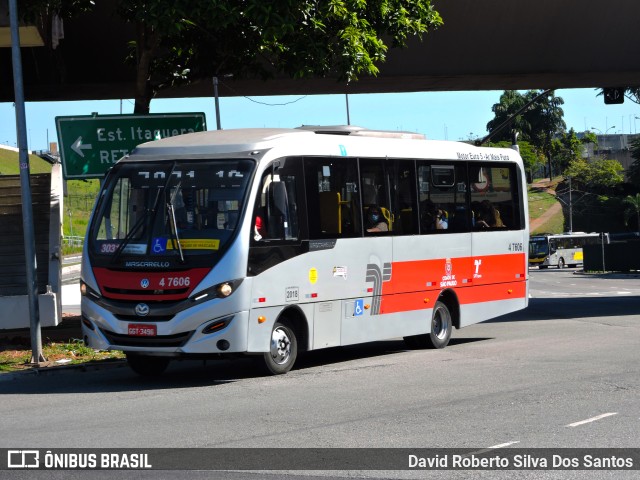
x=201, y=374
x=574, y=307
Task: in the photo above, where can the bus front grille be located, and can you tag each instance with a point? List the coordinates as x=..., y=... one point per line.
x=177, y=340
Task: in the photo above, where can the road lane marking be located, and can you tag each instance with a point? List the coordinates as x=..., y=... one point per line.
x=592, y=419
x=488, y=449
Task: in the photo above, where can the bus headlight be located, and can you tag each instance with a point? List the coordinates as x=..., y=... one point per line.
x=87, y=291
x=221, y=290
x=224, y=290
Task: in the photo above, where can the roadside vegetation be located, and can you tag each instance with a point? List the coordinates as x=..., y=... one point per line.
x=15, y=358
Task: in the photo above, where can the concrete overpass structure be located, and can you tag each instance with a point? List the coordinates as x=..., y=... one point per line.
x=483, y=44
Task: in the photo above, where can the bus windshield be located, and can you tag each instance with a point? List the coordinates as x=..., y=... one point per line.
x=182, y=209
x=538, y=246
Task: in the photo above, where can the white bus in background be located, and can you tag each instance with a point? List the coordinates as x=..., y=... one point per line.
x=264, y=242
x=560, y=250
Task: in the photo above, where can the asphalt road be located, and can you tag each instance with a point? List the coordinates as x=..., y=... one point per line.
x=563, y=373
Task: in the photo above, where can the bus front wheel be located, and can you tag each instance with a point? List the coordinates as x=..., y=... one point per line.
x=283, y=349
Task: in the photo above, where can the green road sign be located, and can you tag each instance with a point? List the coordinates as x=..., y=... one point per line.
x=91, y=144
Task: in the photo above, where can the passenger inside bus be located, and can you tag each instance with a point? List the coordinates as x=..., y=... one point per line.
x=486, y=215
x=433, y=218
x=375, y=220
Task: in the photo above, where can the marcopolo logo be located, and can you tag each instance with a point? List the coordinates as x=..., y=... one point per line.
x=23, y=459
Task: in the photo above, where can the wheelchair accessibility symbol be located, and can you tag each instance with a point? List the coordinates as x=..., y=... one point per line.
x=359, y=308
x=159, y=245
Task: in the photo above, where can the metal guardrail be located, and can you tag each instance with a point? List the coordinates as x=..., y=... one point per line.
x=73, y=240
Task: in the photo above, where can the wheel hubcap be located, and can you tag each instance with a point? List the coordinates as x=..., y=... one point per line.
x=280, y=346
x=440, y=324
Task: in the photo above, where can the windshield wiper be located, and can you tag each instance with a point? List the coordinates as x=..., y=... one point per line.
x=172, y=218
x=126, y=240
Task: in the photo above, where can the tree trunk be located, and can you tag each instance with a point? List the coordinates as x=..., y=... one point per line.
x=146, y=44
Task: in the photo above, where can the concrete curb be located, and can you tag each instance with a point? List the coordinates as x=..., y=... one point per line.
x=61, y=369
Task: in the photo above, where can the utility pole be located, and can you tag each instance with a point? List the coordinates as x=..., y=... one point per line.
x=27, y=209
x=215, y=94
x=570, y=209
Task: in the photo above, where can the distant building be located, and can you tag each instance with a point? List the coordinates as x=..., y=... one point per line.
x=612, y=147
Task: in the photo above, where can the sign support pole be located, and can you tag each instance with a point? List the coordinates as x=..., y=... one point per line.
x=27, y=210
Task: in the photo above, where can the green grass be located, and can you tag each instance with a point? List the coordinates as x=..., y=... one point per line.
x=554, y=225
x=71, y=353
x=9, y=163
x=539, y=202
x=77, y=203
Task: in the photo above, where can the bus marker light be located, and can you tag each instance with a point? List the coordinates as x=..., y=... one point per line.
x=262, y=319
x=509, y=291
x=370, y=289
x=426, y=300
x=262, y=300
x=367, y=306
x=314, y=295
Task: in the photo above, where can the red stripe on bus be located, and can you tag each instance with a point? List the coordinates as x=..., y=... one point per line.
x=416, y=285
x=134, y=285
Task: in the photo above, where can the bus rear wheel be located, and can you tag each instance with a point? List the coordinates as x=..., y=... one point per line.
x=440, y=334
x=441, y=326
x=283, y=349
x=146, y=365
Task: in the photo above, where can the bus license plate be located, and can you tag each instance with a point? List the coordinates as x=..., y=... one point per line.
x=142, y=330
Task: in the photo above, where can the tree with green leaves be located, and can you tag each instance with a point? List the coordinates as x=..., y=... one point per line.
x=531, y=159
x=178, y=42
x=184, y=41
x=566, y=147
x=632, y=204
x=509, y=103
x=596, y=174
x=538, y=124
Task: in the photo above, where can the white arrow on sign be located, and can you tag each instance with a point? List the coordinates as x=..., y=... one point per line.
x=77, y=147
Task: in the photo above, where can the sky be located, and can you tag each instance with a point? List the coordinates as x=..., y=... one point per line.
x=438, y=115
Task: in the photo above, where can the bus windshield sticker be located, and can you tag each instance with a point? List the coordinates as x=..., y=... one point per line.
x=159, y=245
x=340, y=272
x=135, y=249
x=197, y=244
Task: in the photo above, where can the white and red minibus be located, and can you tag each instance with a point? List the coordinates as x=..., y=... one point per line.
x=271, y=242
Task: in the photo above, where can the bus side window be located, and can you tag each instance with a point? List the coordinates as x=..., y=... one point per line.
x=375, y=196
x=333, y=197
x=275, y=215
x=404, y=203
x=495, y=196
x=443, y=197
